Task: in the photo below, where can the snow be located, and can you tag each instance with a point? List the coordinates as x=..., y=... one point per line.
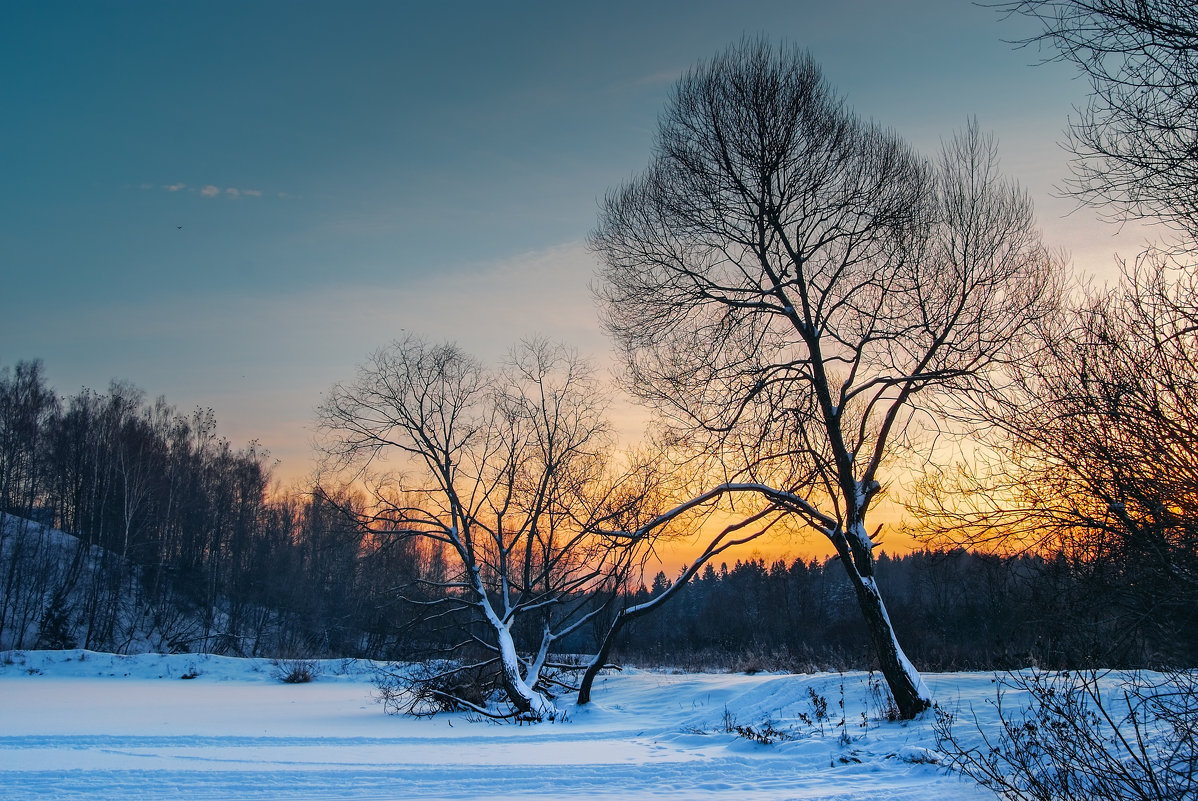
x=79, y=724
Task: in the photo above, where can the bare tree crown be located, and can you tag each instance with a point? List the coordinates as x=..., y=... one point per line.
x=507, y=470
x=785, y=268
x=787, y=283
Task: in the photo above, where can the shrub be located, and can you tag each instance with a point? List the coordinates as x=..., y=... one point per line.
x=765, y=733
x=295, y=671
x=1073, y=744
x=439, y=685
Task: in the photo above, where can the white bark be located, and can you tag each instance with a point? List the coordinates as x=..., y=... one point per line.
x=521, y=691
x=539, y=707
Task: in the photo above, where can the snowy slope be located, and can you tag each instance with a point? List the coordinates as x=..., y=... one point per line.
x=43, y=579
x=77, y=724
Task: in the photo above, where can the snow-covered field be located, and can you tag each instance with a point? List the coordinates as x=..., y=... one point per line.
x=78, y=724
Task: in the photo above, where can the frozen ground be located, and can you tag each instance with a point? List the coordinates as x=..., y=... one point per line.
x=77, y=724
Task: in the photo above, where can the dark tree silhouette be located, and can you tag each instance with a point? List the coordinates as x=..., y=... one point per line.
x=1136, y=141
x=787, y=284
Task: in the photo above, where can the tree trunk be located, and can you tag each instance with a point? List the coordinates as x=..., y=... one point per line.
x=629, y=614
x=520, y=692
x=588, y=676
x=529, y=703
x=911, y=695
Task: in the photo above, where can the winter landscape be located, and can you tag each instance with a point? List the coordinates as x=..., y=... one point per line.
x=85, y=725
x=680, y=399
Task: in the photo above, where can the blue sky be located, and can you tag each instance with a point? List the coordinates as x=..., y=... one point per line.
x=232, y=203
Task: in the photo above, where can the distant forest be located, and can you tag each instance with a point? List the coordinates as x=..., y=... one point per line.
x=180, y=543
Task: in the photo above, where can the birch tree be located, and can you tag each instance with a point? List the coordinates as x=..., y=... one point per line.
x=787, y=285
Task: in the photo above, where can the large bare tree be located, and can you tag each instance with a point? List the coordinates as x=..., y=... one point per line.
x=504, y=470
x=787, y=285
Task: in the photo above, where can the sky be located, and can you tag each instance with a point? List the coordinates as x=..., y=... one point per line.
x=232, y=203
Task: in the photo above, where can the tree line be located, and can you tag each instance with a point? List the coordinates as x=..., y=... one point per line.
x=179, y=542
x=953, y=610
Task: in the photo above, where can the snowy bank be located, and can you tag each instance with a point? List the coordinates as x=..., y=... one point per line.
x=79, y=724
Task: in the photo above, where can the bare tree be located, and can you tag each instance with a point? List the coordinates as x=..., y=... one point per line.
x=787, y=284
x=1093, y=450
x=503, y=469
x=1136, y=141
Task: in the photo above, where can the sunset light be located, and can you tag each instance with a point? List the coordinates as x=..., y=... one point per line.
x=757, y=400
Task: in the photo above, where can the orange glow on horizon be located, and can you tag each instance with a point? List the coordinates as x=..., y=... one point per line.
x=674, y=555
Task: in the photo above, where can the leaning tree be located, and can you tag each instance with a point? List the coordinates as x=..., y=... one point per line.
x=788, y=285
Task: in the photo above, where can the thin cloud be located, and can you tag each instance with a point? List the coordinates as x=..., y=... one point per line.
x=659, y=78
x=640, y=83
x=212, y=190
